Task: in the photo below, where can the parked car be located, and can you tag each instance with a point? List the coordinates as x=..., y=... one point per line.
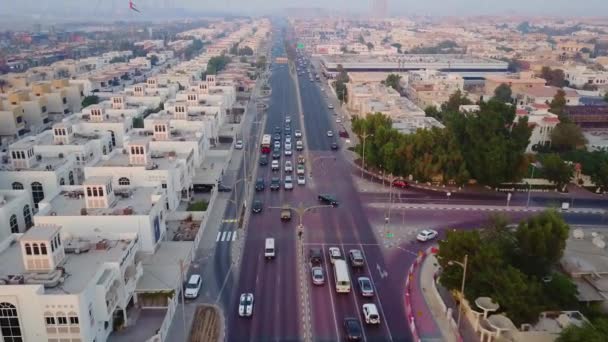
x=365, y=286
x=239, y=145
x=317, y=275
x=356, y=258
x=426, y=235
x=400, y=183
x=246, y=305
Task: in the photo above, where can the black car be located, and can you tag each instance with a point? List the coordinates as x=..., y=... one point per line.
x=334, y=146
x=328, y=199
x=223, y=188
x=353, y=329
x=277, y=137
x=264, y=159
x=275, y=183
x=260, y=184
x=257, y=206
x=202, y=188
x=316, y=256
x=276, y=154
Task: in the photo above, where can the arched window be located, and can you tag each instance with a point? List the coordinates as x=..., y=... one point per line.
x=61, y=318
x=28, y=249
x=104, y=150
x=71, y=177
x=124, y=181
x=49, y=318
x=14, y=224
x=61, y=181
x=37, y=192
x=17, y=186
x=43, y=248
x=35, y=249
x=9, y=323
x=113, y=138
x=27, y=216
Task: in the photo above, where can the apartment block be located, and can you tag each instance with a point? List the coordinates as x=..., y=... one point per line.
x=432, y=87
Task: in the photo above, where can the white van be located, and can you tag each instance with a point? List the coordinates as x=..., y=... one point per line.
x=269, y=249
x=341, y=276
x=370, y=312
x=193, y=286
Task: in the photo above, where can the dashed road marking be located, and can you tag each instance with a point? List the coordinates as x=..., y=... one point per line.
x=226, y=236
x=229, y=220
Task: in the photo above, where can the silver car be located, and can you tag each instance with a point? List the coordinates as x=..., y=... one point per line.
x=365, y=286
x=318, y=278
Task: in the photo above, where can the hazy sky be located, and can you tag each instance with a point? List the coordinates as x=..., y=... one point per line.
x=425, y=7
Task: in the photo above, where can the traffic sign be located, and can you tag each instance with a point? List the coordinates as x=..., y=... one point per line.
x=390, y=235
x=300, y=45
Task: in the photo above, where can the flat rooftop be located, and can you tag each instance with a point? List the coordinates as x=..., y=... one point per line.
x=80, y=269
x=139, y=200
x=42, y=164
x=408, y=61
x=162, y=160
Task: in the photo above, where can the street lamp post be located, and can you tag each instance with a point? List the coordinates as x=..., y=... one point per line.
x=462, y=264
x=364, y=136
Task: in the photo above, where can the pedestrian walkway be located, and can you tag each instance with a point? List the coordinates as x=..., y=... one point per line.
x=226, y=236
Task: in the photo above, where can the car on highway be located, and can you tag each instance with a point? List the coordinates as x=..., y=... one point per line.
x=257, y=206
x=334, y=146
x=301, y=180
x=277, y=137
x=275, y=165
x=287, y=129
x=298, y=133
x=335, y=254
x=263, y=160
x=260, y=184
x=328, y=199
x=352, y=329
x=288, y=119
x=193, y=286
x=365, y=287
x=338, y=120
x=246, y=305
x=356, y=258
x=299, y=145
x=287, y=139
x=330, y=134
x=288, y=152
x=239, y=145
x=277, y=145
x=370, y=313
x=276, y=154
x=318, y=278
x=400, y=183
x=426, y=235
x=315, y=256
x=285, y=213
x=275, y=183
x=288, y=145
x=330, y=106
x=288, y=166
x=300, y=169
x=288, y=183
x=277, y=129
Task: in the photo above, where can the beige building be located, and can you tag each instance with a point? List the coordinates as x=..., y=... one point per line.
x=370, y=97
x=544, y=95
x=11, y=121
x=35, y=109
x=431, y=87
x=519, y=83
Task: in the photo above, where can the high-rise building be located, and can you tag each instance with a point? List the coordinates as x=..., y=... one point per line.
x=380, y=8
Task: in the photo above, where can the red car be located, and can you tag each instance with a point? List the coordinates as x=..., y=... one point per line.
x=400, y=183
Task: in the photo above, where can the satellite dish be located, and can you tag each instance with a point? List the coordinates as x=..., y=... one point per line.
x=578, y=234
x=599, y=243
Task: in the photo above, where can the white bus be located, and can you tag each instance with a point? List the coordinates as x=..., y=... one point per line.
x=265, y=146
x=341, y=276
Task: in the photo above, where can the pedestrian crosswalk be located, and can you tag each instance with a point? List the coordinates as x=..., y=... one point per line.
x=226, y=236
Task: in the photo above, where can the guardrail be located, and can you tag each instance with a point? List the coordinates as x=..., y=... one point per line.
x=411, y=320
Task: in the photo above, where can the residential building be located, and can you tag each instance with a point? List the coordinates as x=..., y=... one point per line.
x=432, y=87
x=581, y=76
x=16, y=212
x=542, y=123
x=544, y=95
x=409, y=125
x=35, y=109
x=12, y=124
x=519, y=83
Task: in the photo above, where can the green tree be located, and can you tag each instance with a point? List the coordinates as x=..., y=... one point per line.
x=541, y=241
x=246, y=51
x=138, y=122
x=588, y=332
x=342, y=74
x=433, y=112
x=567, y=136
x=341, y=91
x=558, y=104
x=370, y=46
x=217, y=64
x=557, y=171
x=393, y=81
x=261, y=63
x=455, y=101
x=554, y=77
x=600, y=176
x=503, y=93
x=90, y=100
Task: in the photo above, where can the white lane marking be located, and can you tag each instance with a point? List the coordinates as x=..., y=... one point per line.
x=218, y=236
x=383, y=318
x=223, y=235
x=329, y=288
x=234, y=236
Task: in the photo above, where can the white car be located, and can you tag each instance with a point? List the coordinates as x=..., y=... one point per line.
x=193, y=286
x=277, y=145
x=239, y=145
x=287, y=139
x=334, y=254
x=288, y=183
x=288, y=166
x=370, y=312
x=426, y=235
x=330, y=106
x=329, y=134
x=301, y=180
x=300, y=169
x=288, y=119
x=338, y=120
x=288, y=152
x=246, y=305
x=298, y=133
x=288, y=145
x=275, y=165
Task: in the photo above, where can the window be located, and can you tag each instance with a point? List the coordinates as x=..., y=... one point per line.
x=9, y=323
x=74, y=319
x=89, y=194
x=37, y=192
x=13, y=223
x=61, y=318
x=35, y=249
x=71, y=177
x=124, y=181
x=104, y=150
x=61, y=181
x=43, y=248
x=164, y=185
x=27, y=216
x=113, y=138
x=28, y=249
x=17, y=186
x=49, y=318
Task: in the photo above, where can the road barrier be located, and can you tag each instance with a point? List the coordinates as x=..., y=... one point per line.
x=408, y=302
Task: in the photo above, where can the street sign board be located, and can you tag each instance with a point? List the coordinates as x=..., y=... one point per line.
x=390, y=235
x=300, y=45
